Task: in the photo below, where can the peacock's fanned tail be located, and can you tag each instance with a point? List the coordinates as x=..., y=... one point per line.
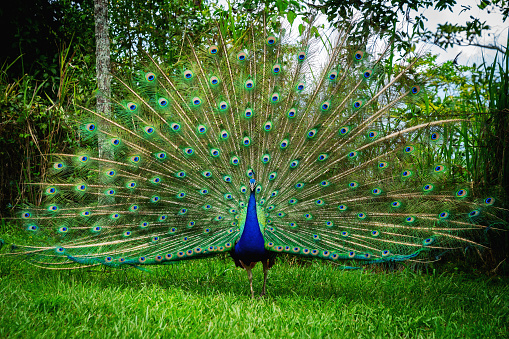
x=339, y=173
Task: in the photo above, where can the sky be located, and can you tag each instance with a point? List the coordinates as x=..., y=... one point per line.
x=469, y=54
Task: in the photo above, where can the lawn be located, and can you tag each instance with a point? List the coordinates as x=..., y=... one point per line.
x=210, y=298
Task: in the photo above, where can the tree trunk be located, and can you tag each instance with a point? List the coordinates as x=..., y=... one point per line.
x=102, y=54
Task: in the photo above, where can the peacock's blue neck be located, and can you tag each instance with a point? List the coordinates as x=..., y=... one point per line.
x=251, y=245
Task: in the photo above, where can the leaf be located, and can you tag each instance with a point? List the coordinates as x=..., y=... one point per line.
x=314, y=31
x=301, y=29
x=291, y=17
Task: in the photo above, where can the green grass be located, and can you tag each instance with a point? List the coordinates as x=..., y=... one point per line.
x=210, y=298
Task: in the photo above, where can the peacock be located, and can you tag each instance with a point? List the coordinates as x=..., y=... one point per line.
x=270, y=142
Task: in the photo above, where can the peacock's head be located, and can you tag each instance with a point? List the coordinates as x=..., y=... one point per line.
x=252, y=184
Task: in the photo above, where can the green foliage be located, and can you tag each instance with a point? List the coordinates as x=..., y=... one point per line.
x=382, y=16
x=477, y=94
x=48, y=50
x=242, y=13
x=37, y=120
x=37, y=29
x=491, y=88
x=209, y=298
x=157, y=27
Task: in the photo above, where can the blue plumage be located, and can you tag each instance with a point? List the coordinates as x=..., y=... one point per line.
x=251, y=245
x=251, y=248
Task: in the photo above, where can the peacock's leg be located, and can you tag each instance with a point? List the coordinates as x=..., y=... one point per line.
x=265, y=264
x=249, y=268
